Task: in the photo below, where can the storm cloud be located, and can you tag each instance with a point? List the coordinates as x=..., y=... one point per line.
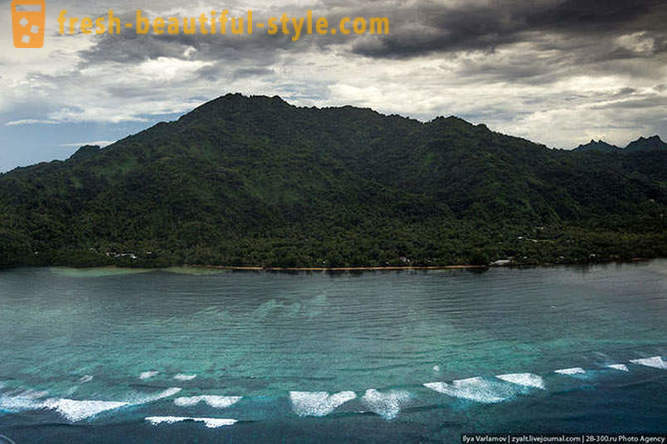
x=559, y=72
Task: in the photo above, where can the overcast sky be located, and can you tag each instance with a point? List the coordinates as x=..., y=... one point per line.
x=556, y=72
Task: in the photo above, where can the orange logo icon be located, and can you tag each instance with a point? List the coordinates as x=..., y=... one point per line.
x=28, y=18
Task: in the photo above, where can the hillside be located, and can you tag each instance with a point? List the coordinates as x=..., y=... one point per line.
x=257, y=181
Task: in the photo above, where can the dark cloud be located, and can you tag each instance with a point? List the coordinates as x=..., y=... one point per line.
x=260, y=47
x=425, y=28
x=132, y=48
x=586, y=16
x=563, y=34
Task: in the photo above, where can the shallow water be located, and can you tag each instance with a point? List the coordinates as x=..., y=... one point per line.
x=110, y=355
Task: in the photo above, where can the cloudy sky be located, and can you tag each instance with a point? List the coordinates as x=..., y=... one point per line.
x=559, y=72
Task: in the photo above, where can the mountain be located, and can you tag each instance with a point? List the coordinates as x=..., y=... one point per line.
x=257, y=181
x=642, y=144
x=598, y=146
x=646, y=144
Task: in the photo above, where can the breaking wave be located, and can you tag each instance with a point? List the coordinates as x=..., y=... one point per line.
x=211, y=423
x=148, y=375
x=474, y=389
x=621, y=367
x=388, y=405
x=218, y=402
x=74, y=410
x=524, y=379
x=318, y=403
x=143, y=399
x=655, y=362
x=21, y=400
x=571, y=371
x=184, y=377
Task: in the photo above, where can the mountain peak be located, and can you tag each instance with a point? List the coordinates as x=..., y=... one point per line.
x=238, y=98
x=654, y=138
x=642, y=144
x=450, y=122
x=449, y=119
x=85, y=151
x=598, y=146
x=653, y=143
x=235, y=105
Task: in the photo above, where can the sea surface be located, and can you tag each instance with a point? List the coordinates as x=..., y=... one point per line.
x=183, y=355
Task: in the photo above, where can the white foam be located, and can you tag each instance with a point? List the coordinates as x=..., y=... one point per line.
x=74, y=410
x=148, y=375
x=85, y=378
x=209, y=422
x=474, y=389
x=218, y=402
x=621, y=367
x=655, y=362
x=388, y=404
x=156, y=396
x=571, y=371
x=184, y=377
x=436, y=368
x=318, y=403
x=524, y=379
x=18, y=403
x=19, y=400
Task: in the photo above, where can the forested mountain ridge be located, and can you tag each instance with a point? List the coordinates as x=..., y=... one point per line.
x=257, y=181
x=643, y=144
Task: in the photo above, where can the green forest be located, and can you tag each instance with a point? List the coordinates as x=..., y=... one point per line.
x=255, y=181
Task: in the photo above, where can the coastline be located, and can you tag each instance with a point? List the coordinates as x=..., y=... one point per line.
x=386, y=268
x=415, y=268
x=259, y=268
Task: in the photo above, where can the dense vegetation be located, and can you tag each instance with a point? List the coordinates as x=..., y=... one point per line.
x=256, y=181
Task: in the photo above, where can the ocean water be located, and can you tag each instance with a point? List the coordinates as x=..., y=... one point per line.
x=108, y=355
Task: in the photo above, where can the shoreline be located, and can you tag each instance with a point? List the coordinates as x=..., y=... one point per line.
x=259, y=268
x=379, y=268
x=416, y=267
